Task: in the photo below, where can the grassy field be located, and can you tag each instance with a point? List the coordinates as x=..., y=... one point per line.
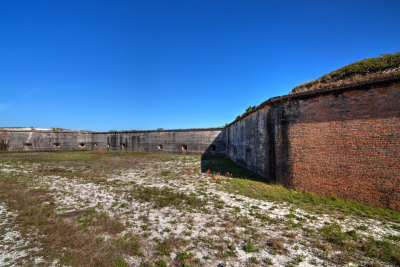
x=143, y=209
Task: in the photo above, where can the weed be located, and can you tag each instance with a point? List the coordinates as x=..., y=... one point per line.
x=166, y=246
x=362, y=228
x=393, y=237
x=253, y=260
x=382, y=250
x=333, y=233
x=162, y=197
x=161, y=263
x=299, y=259
x=129, y=243
x=276, y=244
x=249, y=247
x=267, y=261
x=119, y=262
x=184, y=255
x=166, y=230
x=99, y=239
x=146, y=234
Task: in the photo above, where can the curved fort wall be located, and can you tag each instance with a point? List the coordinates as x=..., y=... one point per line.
x=189, y=141
x=342, y=141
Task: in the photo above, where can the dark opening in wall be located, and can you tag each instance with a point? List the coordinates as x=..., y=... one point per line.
x=184, y=148
x=82, y=145
x=123, y=147
x=234, y=152
x=160, y=147
x=3, y=145
x=248, y=157
x=27, y=146
x=213, y=147
x=56, y=145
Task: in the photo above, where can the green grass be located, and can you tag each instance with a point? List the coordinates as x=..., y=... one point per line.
x=333, y=233
x=163, y=197
x=362, y=67
x=83, y=156
x=243, y=183
x=383, y=250
x=249, y=184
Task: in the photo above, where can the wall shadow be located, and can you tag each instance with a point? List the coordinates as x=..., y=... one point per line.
x=223, y=165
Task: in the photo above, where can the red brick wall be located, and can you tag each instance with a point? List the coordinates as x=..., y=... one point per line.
x=344, y=143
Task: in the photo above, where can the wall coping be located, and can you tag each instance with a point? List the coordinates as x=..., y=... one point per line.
x=366, y=85
x=166, y=130
x=5, y=129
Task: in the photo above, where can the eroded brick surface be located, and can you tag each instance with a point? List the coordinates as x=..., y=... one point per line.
x=344, y=143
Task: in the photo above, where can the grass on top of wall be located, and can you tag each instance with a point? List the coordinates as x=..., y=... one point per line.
x=249, y=184
x=370, y=68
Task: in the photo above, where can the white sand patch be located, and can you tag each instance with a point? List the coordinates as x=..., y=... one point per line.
x=13, y=247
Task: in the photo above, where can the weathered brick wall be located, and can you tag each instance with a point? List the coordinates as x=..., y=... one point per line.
x=345, y=144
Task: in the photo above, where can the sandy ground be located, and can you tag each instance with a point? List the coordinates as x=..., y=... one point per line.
x=209, y=230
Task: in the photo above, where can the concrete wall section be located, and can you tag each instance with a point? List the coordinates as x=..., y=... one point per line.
x=247, y=142
x=45, y=140
x=188, y=141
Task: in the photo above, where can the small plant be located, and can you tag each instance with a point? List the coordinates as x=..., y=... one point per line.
x=184, y=255
x=393, y=237
x=267, y=261
x=249, y=247
x=333, y=233
x=146, y=234
x=299, y=259
x=166, y=230
x=362, y=228
x=276, y=244
x=119, y=262
x=161, y=263
x=253, y=260
x=99, y=239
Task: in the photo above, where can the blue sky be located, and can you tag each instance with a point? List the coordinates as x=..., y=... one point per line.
x=121, y=65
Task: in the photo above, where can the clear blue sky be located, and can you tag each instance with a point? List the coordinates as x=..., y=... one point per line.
x=101, y=65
